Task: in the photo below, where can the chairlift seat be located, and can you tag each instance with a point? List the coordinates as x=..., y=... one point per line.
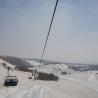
x=30, y=77
x=10, y=80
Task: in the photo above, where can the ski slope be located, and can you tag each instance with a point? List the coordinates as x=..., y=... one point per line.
x=75, y=85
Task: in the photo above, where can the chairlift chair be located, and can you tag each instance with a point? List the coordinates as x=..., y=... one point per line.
x=10, y=80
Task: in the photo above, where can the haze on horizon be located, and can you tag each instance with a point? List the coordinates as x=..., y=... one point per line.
x=73, y=38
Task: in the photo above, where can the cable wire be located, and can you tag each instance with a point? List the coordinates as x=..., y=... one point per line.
x=48, y=32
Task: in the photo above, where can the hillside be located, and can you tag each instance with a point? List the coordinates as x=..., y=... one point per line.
x=19, y=63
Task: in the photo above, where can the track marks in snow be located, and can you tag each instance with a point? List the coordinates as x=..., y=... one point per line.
x=32, y=92
x=6, y=91
x=55, y=93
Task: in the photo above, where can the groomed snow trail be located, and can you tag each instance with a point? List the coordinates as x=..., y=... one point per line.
x=34, y=91
x=66, y=88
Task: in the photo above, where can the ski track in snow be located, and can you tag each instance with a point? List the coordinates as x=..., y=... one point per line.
x=34, y=91
x=92, y=84
x=56, y=93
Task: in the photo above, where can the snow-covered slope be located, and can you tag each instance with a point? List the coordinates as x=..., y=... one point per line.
x=68, y=86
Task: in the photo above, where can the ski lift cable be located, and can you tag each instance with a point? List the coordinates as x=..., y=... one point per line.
x=48, y=32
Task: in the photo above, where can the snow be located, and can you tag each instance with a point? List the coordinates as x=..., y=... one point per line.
x=33, y=63
x=75, y=85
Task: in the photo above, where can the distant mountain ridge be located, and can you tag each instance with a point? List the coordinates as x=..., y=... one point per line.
x=75, y=66
x=44, y=61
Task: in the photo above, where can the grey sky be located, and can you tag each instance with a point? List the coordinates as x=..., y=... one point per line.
x=74, y=35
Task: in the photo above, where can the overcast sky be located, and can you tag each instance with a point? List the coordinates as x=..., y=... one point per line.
x=73, y=38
